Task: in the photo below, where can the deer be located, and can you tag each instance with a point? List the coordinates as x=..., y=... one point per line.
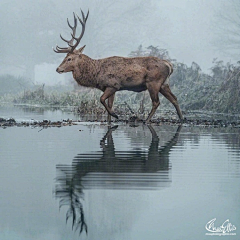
x=116, y=73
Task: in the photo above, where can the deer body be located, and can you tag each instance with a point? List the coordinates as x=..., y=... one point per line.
x=117, y=73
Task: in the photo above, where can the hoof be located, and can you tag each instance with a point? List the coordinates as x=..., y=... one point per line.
x=114, y=115
x=182, y=120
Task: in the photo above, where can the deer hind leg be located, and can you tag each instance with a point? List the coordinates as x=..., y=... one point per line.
x=153, y=91
x=110, y=105
x=166, y=92
x=106, y=95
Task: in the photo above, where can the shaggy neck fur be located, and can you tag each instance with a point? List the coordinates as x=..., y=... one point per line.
x=86, y=71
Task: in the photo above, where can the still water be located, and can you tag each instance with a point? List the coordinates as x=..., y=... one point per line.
x=90, y=181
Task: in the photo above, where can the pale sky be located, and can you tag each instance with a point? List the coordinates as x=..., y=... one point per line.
x=186, y=28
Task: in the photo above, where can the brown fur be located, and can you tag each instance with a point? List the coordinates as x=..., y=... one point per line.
x=118, y=73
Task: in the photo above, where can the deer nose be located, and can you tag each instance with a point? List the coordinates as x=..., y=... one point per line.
x=59, y=70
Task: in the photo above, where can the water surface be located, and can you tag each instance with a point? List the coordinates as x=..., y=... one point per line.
x=94, y=182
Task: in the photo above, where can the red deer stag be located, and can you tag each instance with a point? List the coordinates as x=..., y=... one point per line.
x=114, y=74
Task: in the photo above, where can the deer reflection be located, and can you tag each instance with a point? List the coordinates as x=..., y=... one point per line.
x=111, y=169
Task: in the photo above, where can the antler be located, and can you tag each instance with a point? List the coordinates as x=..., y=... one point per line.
x=72, y=46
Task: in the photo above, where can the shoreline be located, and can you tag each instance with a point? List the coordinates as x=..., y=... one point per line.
x=132, y=121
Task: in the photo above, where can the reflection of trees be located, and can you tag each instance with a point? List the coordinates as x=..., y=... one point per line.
x=31, y=109
x=112, y=169
x=38, y=110
x=228, y=136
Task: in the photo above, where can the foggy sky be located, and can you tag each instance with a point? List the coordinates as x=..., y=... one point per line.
x=191, y=36
x=29, y=30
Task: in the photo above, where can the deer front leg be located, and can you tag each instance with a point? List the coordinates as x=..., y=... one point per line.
x=110, y=104
x=107, y=94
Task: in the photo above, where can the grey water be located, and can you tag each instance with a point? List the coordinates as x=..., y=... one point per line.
x=93, y=181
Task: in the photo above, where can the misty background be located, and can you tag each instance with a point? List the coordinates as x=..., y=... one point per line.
x=189, y=30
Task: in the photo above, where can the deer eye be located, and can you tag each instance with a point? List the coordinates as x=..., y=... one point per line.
x=69, y=59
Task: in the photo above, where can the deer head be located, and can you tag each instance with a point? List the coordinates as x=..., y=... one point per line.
x=73, y=54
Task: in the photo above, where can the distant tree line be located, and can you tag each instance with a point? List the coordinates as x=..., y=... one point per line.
x=12, y=85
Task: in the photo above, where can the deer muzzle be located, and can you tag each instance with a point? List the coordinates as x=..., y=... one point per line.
x=59, y=70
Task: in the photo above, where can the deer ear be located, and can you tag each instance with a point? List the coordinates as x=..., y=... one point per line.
x=80, y=50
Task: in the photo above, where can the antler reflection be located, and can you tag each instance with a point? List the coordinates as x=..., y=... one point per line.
x=69, y=191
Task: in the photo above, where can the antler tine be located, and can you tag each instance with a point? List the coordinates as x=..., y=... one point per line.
x=61, y=50
x=85, y=18
x=64, y=39
x=83, y=23
x=74, y=37
x=75, y=22
x=70, y=42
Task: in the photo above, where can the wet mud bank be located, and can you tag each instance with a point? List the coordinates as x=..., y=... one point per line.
x=133, y=122
x=11, y=122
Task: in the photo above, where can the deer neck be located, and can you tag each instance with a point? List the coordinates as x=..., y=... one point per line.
x=86, y=71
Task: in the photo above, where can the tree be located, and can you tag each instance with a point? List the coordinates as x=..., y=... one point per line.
x=228, y=28
x=150, y=51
